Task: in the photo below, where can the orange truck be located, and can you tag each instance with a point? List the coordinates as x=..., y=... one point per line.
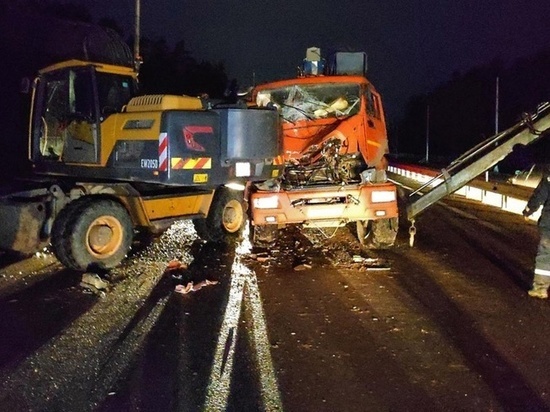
x=334, y=147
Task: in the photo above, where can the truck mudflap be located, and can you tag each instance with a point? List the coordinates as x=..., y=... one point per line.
x=23, y=225
x=327, y=206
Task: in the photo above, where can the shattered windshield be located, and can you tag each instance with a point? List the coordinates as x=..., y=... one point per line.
x=313, y=101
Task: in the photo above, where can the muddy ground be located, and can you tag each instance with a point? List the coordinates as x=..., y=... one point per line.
x=309, y=324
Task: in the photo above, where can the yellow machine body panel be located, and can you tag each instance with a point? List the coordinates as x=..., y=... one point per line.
x=161, y=102
x=135, y=127
x=100, y=67
x=161, y=208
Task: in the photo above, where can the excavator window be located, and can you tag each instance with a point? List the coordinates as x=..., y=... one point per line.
x=114, y=92
x=68, y=126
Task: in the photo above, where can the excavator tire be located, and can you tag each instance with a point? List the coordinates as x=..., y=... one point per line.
x=92, y=234
x=59, y=230
x=378, y=234
x=226, y=217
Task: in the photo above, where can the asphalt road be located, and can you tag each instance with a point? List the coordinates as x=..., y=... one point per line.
x=306, y=325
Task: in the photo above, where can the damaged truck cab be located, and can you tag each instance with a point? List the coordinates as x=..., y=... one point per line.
x=334, y=144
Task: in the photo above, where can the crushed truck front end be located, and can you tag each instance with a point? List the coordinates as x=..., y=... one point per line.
x=334, y=145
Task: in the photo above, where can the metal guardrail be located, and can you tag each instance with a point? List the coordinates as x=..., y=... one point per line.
x=511, y=199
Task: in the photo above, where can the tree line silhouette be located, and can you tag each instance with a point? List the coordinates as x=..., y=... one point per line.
x=461, y=112
x=36, y=33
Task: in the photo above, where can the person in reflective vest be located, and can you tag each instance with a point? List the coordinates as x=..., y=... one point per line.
x=541, y=197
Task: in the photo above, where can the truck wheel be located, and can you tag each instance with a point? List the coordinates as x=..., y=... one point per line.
x=225, y=218
x=97, y=234
x=263, y=235
x=377, y=234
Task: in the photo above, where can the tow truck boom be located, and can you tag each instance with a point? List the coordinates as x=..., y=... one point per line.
x=479, y=159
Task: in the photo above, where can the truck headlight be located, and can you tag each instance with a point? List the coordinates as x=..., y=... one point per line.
x=242, y=169
x=382, y=196
x=270, y=202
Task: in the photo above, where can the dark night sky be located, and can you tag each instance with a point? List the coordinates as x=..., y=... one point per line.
x=412, y=44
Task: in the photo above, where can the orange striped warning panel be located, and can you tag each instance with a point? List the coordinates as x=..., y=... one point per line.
x=193, y=163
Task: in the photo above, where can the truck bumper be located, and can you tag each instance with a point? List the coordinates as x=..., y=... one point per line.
x=324, y=206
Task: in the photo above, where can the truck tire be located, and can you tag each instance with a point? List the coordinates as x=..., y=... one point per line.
x=377, y=234
x=93, y=234
x=226, y=217
x=263, y=235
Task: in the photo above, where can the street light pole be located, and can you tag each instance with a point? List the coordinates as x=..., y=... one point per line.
x=427, y=133
x=137, y=57
x=495, y=169
x=496, y=104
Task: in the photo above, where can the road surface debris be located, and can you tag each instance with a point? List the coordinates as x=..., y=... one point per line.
x=92, y=280
x=191, y=287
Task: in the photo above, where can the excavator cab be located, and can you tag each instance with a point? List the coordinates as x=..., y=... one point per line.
x=71, y=101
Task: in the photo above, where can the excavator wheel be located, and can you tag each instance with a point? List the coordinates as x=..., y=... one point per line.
x=225, y=219
x=92, y=234
x=60, y=233
x=377, y=234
